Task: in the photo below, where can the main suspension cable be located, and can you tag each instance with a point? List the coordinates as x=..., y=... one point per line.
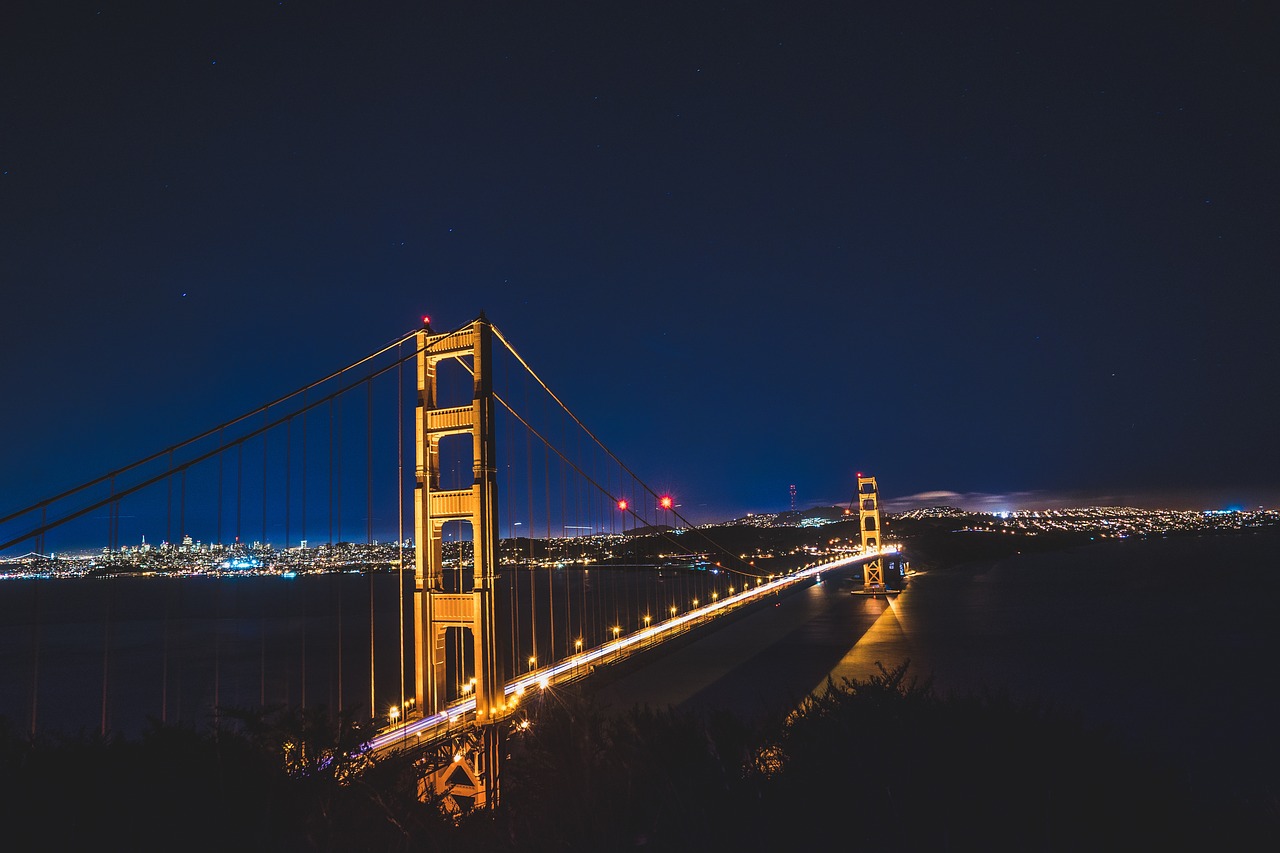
x=110, y=474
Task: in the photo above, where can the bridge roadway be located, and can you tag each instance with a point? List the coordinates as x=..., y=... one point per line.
x=461, y=715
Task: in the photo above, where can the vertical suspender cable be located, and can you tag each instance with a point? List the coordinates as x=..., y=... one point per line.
x=35, y=658
x=182, y=508
x=164, y=660
x=331, y=428
x=178, y=686
x=568, y=641
x=44, y=517
x=106, y=639
x=217, y=653
x=373, y=699
x=514, y=592
x=303, y=535
x=106, y=650
x=400, y=510
x=533, y=611
x=568, y=612
x=288, y=507
x=330, y=473
x=262, y=651
x=337, y=491
x=288, y=478
x=551, y=615
x=35, y=646
x=550, y=565
x=302, y=595
x=264, y=480
x=219, y=539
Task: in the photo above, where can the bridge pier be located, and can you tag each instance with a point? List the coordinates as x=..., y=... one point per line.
x=869, y=523
x=463, y=772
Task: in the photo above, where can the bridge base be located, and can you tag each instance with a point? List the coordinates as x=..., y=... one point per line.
x=461, y=773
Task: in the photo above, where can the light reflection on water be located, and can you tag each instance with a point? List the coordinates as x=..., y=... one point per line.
x=1168, y=643
x=172, y=648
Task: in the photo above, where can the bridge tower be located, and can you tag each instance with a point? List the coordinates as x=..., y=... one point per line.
x=869, y=523
x=472, y=606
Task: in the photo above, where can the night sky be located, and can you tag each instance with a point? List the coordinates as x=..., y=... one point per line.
x=1024, y=254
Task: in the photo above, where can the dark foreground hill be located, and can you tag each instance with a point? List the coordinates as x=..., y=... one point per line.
x=879, y=765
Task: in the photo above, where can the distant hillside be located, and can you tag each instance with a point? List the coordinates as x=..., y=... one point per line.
x=933, y=512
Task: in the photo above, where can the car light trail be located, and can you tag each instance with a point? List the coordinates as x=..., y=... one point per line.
x=572, y=667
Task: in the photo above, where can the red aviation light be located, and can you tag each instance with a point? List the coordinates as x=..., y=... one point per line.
x=622, y=504
x=426, y=321
x=665, y=501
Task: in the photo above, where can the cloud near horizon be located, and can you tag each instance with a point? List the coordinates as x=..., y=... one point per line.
x=975, y=501
x=1036, y=499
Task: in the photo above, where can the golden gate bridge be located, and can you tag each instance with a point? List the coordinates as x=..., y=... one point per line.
x=523, y=553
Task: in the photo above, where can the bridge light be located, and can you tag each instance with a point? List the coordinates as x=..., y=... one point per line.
x=426, y=321
x=617, y=629
x=577, y=645
x=665, y=501
x=622, y=504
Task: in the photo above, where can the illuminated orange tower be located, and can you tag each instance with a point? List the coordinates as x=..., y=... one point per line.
x=471, y=606
x=869, y=523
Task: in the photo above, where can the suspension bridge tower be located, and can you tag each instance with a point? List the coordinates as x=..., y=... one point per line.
x=468, y=607
x=869, y=523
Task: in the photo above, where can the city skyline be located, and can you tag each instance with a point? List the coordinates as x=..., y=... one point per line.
x=1004, y=255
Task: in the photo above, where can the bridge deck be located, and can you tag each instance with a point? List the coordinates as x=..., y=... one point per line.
x=461, y=715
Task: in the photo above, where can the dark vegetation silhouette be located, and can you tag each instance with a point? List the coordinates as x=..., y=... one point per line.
x=881, y=764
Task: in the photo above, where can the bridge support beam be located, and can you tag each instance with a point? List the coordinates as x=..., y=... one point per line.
x=869, y=523
x=462, y=772
x=470, y=606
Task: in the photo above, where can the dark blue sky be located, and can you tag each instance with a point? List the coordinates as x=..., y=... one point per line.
x=986, y=249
